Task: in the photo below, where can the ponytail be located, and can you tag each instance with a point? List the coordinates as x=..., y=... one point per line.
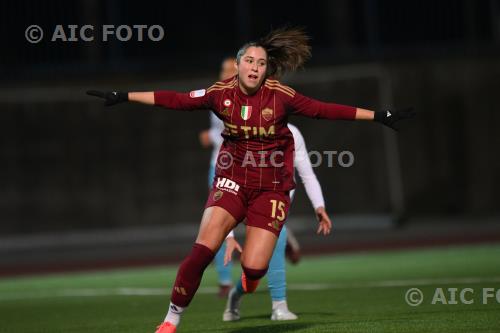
x=287, y=50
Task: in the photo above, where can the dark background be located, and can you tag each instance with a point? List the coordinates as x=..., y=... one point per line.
x=67, y=163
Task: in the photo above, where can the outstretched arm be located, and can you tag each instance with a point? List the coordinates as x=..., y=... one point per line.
x=363, y=114
x=387, y=117
x=198, y=99
x=147, y=97
x=309, y=107
x=116, y=97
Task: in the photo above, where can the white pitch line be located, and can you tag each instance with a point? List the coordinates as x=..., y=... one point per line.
x=395, y=283
x=99, y=292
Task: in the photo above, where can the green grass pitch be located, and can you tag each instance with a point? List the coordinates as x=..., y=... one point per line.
x=337, y=293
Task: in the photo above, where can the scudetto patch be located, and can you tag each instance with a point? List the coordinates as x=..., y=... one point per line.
x=246, y=112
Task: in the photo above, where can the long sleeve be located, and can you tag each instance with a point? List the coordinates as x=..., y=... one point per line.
x=230, y=234
x=216, y=128
x=303, y=165
x=305, y=106
x=195, y=100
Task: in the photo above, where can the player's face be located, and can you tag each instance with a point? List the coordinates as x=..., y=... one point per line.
x=228, y=69
x=252, y=69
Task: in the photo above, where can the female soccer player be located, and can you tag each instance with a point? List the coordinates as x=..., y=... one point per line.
x=254, y=172
x=277, y=273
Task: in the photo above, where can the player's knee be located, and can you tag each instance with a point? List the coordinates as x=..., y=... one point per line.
x=254, y=274
x=251, y=277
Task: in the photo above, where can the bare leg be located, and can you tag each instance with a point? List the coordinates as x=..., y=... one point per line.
x=257, y=252
x=216, y=223
x=258, y=249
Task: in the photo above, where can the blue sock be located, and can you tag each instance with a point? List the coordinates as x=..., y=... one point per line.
x=276, y=276
x=239, y=287
x=224, y=272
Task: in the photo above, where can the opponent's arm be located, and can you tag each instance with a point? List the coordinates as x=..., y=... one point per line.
x=216, y=128
x=311, y=183
x=231, y=245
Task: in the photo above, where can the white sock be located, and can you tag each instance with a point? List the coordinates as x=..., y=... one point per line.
x=174, y=314
x=280, y=305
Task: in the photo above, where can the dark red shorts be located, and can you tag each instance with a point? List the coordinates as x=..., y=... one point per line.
x=262, y=208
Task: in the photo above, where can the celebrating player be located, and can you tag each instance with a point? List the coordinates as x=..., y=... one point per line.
x=277, y=273
x=254, y=172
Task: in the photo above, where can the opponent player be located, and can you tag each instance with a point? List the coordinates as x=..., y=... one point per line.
x=254, y=172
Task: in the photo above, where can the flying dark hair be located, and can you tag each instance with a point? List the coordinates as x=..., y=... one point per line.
x=287, y=50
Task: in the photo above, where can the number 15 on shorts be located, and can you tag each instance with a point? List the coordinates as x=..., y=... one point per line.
x=280, y=205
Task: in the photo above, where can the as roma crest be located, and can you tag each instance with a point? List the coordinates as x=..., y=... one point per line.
x=218, y=195
x=267, y=114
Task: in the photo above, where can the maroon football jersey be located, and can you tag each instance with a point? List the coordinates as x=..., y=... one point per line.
x=258, y=147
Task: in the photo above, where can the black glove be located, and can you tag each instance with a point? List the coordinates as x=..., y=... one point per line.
x=110, y=97
x=391, y=117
